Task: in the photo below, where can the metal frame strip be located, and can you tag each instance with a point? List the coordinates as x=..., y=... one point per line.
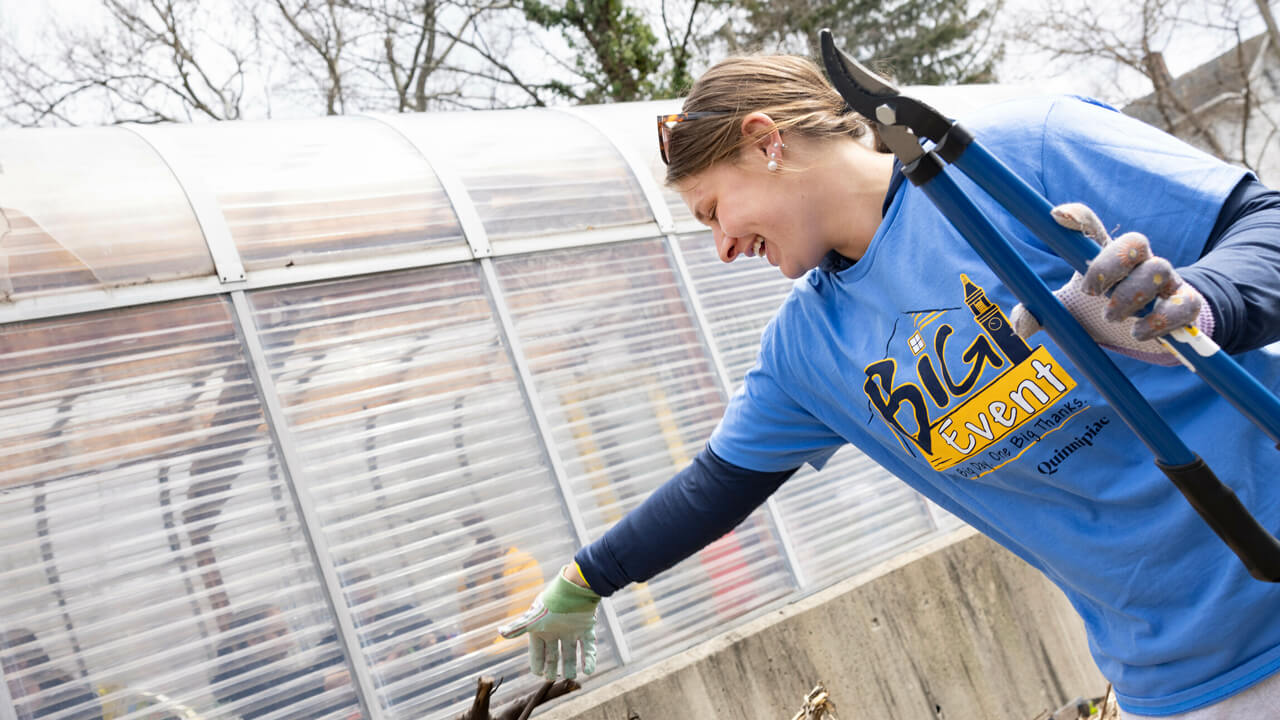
x=472, y=227
x=639, y=170
x=722, y=373
x=8, y=711
x=521, y=361
x=578, y=239
x=478, y=239
x=662, y=213
x=246, y=326
x=213, y=224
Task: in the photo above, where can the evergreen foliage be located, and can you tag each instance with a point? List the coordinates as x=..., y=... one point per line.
x=925, y=42
x=616, y=51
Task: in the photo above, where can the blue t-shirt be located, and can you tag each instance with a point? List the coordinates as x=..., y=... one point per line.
x=909, y=355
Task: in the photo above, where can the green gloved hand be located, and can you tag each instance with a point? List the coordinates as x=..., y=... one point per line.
x=561, y=621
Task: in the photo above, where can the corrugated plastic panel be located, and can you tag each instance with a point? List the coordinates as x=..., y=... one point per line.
x=852, y=513
x=631, y=396
x=637, y=125
x=430, y=484
x=316, y=190
x=533, y=172
x=150, y=553
x=85, y=208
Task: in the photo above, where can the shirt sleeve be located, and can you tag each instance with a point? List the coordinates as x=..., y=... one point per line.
x=764, y=428
x=1135, y=177
x=702, y=502
x=1239, y=273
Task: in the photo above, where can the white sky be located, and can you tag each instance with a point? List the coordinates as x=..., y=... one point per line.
x=23, y=20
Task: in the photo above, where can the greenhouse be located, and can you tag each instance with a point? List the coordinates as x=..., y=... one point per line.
x=295, y=413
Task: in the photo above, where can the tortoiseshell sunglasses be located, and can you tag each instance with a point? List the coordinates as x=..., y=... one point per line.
x=666, y=122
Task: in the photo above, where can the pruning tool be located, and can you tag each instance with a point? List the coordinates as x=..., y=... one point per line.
x=903, y=123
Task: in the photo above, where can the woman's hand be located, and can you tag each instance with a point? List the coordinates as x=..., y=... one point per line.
x=561, y=622
x=1126, y=270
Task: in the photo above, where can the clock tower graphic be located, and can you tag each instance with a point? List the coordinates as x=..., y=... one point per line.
x=992, y=319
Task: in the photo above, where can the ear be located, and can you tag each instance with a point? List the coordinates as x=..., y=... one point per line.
x=763, y=135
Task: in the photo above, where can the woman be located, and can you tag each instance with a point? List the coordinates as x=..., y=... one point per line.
x=900, y=341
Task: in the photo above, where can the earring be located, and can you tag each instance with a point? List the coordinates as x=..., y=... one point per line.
x=773, y=162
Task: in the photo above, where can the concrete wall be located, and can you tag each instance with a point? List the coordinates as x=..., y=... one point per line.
x=959, y=629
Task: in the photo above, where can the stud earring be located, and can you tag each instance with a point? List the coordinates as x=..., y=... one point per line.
x=773, y=162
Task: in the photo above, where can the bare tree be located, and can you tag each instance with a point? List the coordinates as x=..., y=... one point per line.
x=687, y=28
x=160, y=60
x=1220, y=107
x=181, y=60
x=315, y=35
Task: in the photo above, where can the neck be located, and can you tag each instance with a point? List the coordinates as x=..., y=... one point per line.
x=855, y=187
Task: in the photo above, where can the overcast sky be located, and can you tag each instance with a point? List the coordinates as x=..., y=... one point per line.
x=24, y=18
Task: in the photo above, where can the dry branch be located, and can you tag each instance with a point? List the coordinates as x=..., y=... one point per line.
x=518, y=710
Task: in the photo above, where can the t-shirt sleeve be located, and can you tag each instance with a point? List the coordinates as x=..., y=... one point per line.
x=1134, y=176
x=765, y=429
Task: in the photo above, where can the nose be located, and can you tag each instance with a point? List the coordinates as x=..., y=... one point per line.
x=727, y=246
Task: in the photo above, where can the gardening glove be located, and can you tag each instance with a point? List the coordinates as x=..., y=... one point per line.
x=1125, y=267
x=561, y=621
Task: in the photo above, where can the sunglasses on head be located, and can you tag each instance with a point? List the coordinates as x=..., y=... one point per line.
x=667, y=122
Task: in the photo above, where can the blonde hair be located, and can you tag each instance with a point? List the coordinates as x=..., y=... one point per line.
x=790, y=89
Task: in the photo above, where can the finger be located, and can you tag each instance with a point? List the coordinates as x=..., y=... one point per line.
x=1024, y=323
x=537, y=654
x=570, y=659
x=589, y=650
x=1180, y=309
x=1153, y=278
x=1115, y=261
x=1078, y=216
x=552, y=668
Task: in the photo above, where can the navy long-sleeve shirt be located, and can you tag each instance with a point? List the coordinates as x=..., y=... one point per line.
x=1238, y=273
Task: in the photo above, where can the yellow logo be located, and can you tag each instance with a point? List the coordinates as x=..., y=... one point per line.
x=1028, y=382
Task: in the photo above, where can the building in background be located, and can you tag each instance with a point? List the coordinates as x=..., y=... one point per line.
x=1229, y=106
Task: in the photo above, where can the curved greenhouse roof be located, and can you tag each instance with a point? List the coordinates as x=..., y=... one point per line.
x=338, y=394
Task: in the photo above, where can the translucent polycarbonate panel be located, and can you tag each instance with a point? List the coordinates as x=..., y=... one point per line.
x=635, y=125
x=316, y=190
x=849, y=516
x=738, y=299
x=631, y=396
x=431, y=486
x=150, y=554
x=85, y=208
x=852, y=513
x=533, y=172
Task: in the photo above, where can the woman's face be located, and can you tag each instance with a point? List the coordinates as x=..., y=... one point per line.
x=753, y=211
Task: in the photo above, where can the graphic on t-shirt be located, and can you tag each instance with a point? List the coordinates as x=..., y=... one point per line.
x=969, y=415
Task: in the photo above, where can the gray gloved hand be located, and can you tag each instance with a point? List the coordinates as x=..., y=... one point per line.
x=561, y=621
x=1125, y=267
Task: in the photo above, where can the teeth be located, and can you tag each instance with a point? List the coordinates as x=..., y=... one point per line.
x=757, y=246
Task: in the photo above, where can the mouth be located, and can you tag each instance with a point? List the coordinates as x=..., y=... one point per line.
x=758, y=247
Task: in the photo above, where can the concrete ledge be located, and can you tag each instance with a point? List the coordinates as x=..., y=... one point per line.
x=957, y=629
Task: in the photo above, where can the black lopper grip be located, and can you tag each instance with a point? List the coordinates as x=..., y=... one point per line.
x=1223, y=511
